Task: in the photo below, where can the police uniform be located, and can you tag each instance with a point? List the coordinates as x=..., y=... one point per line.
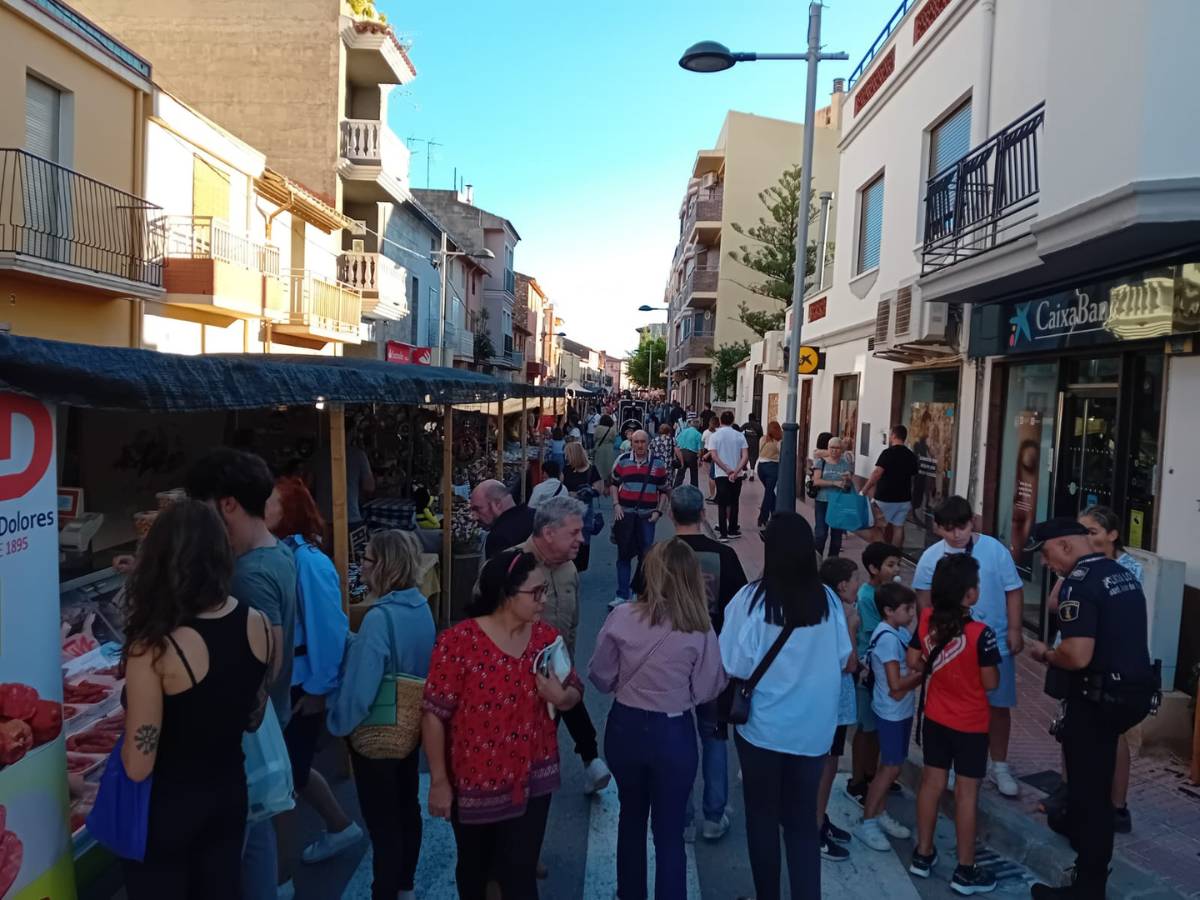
x=1102, y=600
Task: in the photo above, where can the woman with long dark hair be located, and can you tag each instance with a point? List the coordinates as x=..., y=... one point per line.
x=659, y=656
x=793, y=713
x=768, y=470
x=488, y=732
x=195, y=661
x=319, y=641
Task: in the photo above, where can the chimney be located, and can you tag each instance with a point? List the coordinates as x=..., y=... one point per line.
x=469, y=194
x=839, y=85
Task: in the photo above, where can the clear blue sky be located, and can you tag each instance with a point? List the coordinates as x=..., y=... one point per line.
x=575, y=121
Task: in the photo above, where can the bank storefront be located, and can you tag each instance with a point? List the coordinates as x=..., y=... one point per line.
x=1077, y=392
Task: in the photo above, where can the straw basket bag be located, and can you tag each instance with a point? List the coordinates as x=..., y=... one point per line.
x=392, y=727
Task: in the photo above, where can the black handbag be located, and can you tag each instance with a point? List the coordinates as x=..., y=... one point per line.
x=733, y=704
x=810, y=487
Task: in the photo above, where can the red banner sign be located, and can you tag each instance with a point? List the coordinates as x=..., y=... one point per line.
x=408, y=354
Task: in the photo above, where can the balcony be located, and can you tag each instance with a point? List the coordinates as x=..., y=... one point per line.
x=382, y=283
x=372, y=162
x=986, y=199
x=321, y=310
x=700, y=287
x=518, y=360
x=374, y=55
x=210, y=266
x=694, y=351
x=56, y=223
x=704, y=214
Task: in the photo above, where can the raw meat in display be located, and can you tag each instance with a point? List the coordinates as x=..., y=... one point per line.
x=17, y=701
x=16, y=739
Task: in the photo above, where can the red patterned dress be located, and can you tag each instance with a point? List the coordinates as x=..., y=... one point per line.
x=503, y=743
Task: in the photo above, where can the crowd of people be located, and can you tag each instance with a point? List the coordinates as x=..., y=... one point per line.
x=235, y=620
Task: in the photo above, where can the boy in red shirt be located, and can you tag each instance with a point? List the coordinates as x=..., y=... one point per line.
x=961, y=659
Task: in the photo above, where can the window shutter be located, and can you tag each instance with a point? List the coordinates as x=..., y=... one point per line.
x=871, y=226
x=210, y=190
x=43, y=105
x=951, y=140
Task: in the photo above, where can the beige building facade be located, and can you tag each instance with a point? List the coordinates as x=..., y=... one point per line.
x=707, y=285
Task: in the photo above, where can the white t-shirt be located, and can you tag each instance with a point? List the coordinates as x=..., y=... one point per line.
x=728, y=444
x=891, y=645
x=795, y=705
x=997, y=576
x=593, y=421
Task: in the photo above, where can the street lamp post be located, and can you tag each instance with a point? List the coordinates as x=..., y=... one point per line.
x=444, y=256
x=645, y=307
x=709, y=56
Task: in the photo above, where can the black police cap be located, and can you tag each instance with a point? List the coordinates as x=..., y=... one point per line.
x=1063, y=526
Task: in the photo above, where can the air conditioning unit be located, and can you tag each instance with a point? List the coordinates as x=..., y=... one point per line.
x=883, y=321
x=916, y=320
x=708, y=180
x=774, y=351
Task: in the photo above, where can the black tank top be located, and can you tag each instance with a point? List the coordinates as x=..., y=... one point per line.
x=202, y=727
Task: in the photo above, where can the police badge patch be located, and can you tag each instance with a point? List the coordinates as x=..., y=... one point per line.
x=1068, y=610
x=1078, y=574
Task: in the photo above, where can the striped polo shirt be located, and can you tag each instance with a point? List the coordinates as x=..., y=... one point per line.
x=631, y=476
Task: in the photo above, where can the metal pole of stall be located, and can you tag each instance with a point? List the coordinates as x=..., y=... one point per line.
x=500, y=439
x=447, y=514
x=524, y=447
x=341, y=524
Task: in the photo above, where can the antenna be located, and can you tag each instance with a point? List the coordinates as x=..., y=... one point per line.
x=429, y=143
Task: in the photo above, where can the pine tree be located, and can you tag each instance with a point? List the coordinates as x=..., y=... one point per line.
x=724, y=371
x=774, y=252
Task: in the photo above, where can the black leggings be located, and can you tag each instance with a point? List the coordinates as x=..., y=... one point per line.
x=194, y=842
x=388, y=797
x=504, y=851
x=582, y=731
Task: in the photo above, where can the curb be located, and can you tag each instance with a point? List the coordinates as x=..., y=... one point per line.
x=1008, y=828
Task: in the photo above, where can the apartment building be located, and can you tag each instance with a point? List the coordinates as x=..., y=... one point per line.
x=1017, y=278
x=531, y=322
x=309, y=88
x=489, y=242
x=707, y=283
x=580, y=365
x=79, y=254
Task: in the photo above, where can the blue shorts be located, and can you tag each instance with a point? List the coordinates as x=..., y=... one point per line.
x=1005, y=694
x=866, y=715
x=894, y=513
x=893, y=741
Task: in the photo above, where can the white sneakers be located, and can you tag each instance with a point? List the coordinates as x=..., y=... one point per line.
x=714, y=831
x=597, y=776
x=1002, y=777
x=869, y=832
x=330, y=844
x=892, y=828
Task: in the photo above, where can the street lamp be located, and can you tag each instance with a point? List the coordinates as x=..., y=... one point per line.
x=444, y=255
x=647, y=308
x=709, y=56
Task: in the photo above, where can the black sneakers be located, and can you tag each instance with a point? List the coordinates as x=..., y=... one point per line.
x=832, y=851
x=857, y=792
x=835, y=834
x=922, y=865
x=1122, y=821
x=969, y=880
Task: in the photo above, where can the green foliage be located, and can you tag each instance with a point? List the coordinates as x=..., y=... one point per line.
x=640, y=361
x=773, y=252
x=365, y=9
x=484, y=348
x=724, y=371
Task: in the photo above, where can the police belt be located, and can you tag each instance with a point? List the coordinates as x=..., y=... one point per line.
x=1103, y=687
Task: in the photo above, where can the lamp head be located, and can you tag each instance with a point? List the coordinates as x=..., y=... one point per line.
x=707, y=56
x=485, y=253
x=645, y=307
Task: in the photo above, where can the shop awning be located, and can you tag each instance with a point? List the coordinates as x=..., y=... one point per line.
x=121, y=378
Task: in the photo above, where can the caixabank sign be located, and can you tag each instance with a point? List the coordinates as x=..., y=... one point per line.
x=1155, y=303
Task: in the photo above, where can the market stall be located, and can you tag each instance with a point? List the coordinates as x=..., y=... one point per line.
x=108, y=433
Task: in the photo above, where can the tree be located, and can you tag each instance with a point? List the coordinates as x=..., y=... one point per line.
x=485, y=350
x=640, y=361
x=724, y=371
x=773, y=254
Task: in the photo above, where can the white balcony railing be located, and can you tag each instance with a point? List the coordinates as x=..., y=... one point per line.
x=207, y=237
x=372, y=273
x=324, y=306
x=370, y=142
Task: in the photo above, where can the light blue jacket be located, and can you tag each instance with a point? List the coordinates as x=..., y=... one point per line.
x=321, y=624
x=402, y=617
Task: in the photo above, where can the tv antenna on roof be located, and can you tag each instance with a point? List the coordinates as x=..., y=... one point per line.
x=429, y=143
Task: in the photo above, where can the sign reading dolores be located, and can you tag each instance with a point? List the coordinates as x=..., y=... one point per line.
x=1157, y=303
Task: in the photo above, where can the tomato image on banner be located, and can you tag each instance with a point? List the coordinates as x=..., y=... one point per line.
x=36, y=860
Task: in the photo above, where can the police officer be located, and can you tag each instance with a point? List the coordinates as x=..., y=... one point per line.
x=1103, y=671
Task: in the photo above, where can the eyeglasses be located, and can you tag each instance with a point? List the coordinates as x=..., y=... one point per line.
x=536, y=593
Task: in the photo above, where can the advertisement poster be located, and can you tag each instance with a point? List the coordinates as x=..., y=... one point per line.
x=1028, y=425
x=35, y=848
x=931, y=431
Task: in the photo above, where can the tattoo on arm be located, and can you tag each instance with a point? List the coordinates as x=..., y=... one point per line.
x=146, y=739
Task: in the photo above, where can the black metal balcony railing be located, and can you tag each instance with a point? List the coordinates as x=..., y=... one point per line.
x=985, y=199
x=52, y=213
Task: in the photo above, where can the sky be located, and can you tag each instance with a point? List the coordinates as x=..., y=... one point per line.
x=574, y=121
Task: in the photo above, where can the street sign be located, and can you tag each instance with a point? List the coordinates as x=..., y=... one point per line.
x=810, y=361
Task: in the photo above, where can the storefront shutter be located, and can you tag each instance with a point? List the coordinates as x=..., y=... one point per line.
x=42, y=110
x=951, y=140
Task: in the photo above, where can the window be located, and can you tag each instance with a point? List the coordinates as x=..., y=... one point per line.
x=43, y=118
x=870, y=225
x=845, y=409
x=950, y=139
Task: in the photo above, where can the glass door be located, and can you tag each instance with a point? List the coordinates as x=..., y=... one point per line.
x=1088, y=451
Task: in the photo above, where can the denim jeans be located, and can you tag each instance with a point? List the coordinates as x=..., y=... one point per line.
x=768, y=474
x=781, y=793
x=260, y=862
x=714, y=764
x=645, y=533
x=653, y=759
x=822, y=530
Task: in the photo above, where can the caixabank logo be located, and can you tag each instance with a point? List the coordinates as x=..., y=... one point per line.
x=14, y=485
